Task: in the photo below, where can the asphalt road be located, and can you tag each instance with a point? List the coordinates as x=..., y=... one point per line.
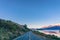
x=29, y=36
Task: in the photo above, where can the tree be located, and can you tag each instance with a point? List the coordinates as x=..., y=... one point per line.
x=25, y=26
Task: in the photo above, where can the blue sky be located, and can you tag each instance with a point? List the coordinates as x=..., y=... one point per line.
x=34, y=13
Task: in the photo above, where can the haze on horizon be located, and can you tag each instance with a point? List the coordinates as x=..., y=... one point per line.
x=34, y=13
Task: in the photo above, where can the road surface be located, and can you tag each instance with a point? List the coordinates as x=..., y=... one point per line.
x=30, y=36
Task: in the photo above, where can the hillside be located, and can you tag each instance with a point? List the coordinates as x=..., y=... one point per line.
x=10, y=30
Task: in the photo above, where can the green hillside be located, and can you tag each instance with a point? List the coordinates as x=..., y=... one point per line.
x=10, y=30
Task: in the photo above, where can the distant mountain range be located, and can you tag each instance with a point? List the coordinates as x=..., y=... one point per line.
x=50, y=28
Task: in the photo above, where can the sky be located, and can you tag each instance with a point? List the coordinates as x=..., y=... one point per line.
x=34, y=13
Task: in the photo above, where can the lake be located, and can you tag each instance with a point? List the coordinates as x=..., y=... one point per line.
x=51, y=32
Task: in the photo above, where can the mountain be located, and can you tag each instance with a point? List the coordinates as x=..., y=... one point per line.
x=50, y=28
x=10, y=30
